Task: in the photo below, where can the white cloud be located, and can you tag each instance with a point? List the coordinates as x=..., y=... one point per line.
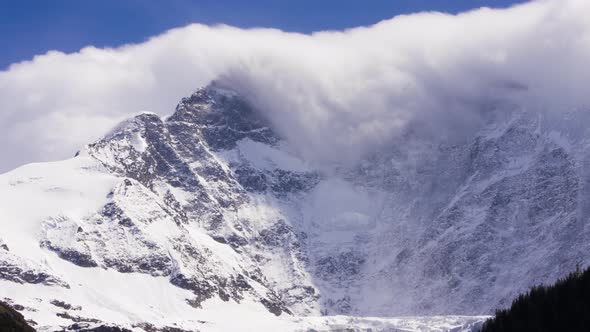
x=332, y=93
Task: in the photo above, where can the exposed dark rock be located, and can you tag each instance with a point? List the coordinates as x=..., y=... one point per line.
x=202, y=289
x=274, y=304
x=281, y=182
x=277, y=235
x=251, y=179
x=241, y=283
x=287, y=182
x=93, y=327
x=147, y=327
x=77, y=319
x=65, y=305
x=236, y=241
x=340, y=266
x=74, y=256
x=219, y=239
x=224, y=296
x=11, y=272
x=113, y=213
x=18, y=307
x=195, y=302
x=154, y=264
x=12, y=321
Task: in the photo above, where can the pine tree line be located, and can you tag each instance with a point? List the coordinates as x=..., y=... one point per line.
x=564, y=306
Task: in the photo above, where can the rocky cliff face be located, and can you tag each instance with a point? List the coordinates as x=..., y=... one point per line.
x=215, y=207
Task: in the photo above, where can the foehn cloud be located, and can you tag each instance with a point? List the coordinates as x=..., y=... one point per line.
x=333, y=94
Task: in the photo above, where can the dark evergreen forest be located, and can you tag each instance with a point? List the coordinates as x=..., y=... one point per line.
x=564, y=306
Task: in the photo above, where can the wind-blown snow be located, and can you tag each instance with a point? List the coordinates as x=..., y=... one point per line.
x=339, y=205
x=265, y=157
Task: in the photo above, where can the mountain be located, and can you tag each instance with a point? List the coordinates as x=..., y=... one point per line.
x=210, y=220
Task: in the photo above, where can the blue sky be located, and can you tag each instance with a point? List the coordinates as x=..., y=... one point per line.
x=29, y=27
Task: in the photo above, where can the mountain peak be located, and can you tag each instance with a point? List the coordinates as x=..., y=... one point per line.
x=222, y=117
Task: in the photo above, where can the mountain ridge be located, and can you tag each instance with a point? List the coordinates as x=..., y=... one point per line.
x=212, y=202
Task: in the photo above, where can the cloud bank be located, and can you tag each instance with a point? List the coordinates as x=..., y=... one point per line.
x=334, y=94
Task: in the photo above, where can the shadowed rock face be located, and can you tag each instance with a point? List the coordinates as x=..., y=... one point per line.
x=12, y=321
x=222, y=117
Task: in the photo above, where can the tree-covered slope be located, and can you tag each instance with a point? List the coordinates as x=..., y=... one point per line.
x=564, y=306
x=12, y=321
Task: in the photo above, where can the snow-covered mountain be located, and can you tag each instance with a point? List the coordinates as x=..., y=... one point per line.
x=210, y=220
